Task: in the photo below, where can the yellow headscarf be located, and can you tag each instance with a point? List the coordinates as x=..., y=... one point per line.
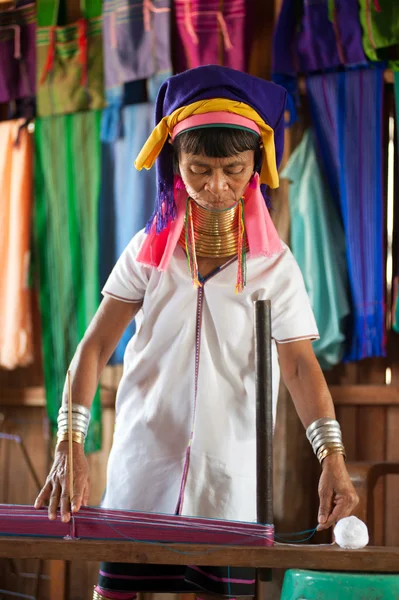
x=159, y=136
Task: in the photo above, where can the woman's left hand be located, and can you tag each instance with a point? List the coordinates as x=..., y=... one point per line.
x=336, y=492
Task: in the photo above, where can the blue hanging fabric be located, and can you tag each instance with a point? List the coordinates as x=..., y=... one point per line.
x=395, y=319
x=127, y=195
x=318, y=244
x=346, y=111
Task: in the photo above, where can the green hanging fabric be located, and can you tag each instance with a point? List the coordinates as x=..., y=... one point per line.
x=67, y=182
x=318, y=244
x=395, y=324
x=380, y=23
x=69, y=65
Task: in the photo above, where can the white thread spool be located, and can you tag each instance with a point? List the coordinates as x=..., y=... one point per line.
x=351, y=533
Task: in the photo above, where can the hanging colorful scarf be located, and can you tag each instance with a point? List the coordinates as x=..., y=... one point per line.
x=67, y=185
x=346, y=111
x=126, y=199
x=210, y=32
x=318, y=245
x=17, y=53
x=69, y=59
x=136, y=40
x=311, y=37
x=380, y=23
x=136, y=47
x=395, y=317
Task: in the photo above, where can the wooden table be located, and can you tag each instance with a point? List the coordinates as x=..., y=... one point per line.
x=326, y=557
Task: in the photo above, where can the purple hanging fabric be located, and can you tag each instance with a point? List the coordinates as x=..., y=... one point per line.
x=17, y=53
x=328, y=40
x=346, y=112
x=312, y=36
x=211, y=32
x=136, y=40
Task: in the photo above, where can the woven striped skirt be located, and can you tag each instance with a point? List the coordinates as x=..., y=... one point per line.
x=121, y=581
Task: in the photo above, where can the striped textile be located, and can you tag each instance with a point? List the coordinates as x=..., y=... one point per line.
x=210, y=32
x=126, y=579
x=136, y=40
x=105, y=524
x=67, y=182
x=310, y=37
x=69, y=70
x=380, y=25
x=120, y=580
x=17, y=52
x=100, y=594
x=347, y=115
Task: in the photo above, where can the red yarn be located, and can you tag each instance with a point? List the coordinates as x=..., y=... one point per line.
x=83, y=50
x=48, y=67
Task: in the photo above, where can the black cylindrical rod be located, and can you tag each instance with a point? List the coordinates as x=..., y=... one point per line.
x=264, y=412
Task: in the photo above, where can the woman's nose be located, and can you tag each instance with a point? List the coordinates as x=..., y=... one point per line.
x=216, y=183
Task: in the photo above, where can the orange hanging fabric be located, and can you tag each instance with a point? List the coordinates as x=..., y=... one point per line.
x=16, y=175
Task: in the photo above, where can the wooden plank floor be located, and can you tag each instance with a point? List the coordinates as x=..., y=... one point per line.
x=325, y=557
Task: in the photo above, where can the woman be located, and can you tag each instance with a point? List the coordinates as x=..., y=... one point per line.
x=184, y=438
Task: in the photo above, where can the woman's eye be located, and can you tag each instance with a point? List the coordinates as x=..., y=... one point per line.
x=199, y=172
x=234, y=171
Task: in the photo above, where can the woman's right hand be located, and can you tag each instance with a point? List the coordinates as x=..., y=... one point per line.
x=56, y=489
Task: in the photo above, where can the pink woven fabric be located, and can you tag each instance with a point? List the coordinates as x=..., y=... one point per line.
x=115, y=595
x=211, y=34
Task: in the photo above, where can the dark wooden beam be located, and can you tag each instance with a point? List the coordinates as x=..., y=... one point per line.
x=35, y=397
x=328, y=557
x=343, y=395
x=365, y=395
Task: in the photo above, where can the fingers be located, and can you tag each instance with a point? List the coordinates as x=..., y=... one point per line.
x=54, y=501
x=81, y=490
x=329, y=522
x=65, y=504
x=77, y=500
x=56, y=490
x=344, y=506
x=80, y=499
x=326, y=497
x=44, y=495
x=85, y=497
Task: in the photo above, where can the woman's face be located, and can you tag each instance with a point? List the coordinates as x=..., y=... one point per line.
x=216, y=182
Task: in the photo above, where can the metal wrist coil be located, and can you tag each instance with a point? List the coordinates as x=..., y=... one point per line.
x=80, y=423
x=325, y=437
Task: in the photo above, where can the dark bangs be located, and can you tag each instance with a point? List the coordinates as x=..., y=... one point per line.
x=216, y=142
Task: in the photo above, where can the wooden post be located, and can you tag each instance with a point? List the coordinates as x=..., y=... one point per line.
x=58, y=579
x=264, y=418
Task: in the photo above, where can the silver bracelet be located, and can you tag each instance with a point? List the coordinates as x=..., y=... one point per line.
x=77, y=408
x=325, y=437
x=80, y=419
x=80, y=428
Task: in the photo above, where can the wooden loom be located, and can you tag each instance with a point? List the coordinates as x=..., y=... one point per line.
x=26, y=533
